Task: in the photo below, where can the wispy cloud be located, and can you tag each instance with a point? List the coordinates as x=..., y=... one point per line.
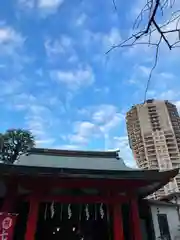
x=10, y=40
x=104, y=40
x=59, y=45
x=38, y=117
x=83, y=132
x=102, y=119
x=56, y=80
x=81, y=19
x=121, y=142
x=60, y=48
x=67, y=147
x=107, y=116
x=44, y=7
x=9, y=87
x=74, y=79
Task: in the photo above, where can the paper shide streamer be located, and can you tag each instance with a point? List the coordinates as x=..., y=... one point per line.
x=52, y=210
x=69, y=211
x=101, y=211
x=87, y=212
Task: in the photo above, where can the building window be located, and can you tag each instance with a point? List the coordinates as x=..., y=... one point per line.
x=163, y=226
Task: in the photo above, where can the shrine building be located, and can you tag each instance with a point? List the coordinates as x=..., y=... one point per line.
x=78, y=195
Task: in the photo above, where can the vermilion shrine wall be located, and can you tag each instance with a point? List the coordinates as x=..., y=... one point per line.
x=40, y=194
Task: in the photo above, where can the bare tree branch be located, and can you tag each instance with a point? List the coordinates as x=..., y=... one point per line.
x=114, y=4
x=151, y=10
x=153, y=67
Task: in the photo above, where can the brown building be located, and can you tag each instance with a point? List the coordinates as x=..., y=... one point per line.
x=154, y=136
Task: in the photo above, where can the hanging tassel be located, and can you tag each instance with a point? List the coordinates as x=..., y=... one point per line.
x=69, y=211
x=52, y=210
x=45, y=212
x=101, y=211
x=87, y=212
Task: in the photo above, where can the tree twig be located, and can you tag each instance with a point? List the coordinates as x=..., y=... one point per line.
x=151, y=8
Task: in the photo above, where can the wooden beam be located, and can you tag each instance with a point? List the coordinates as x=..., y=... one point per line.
x=82, y=199
x=118, y=222
x=39, y=183
x=135, y=219
x=32, y=217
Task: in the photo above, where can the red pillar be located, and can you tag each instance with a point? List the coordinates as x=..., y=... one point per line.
x=135, y=220
x=118, y=224
x=10, y=197
x=32, y=218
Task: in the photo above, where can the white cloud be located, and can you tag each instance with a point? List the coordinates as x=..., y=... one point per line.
x=9, y=87
x=114, y=122
x=50, y=4
x=83, y=131
x=13, y=53
x=40, y=120
x=136, y=9
x=125, y=151
x=177, y=103
x=112, y=38
x=145, y=70
x=76, y=138
x=67, y=147
x=107, y=117
x=104, y=113
x=62, y=47
x=48, y=141
x=169, y=95
x=53, y=47
x=10, y=40
x=104, y=40
x=81, y=19
x=27, y=3
x=44, y=7
x=167, y=75
x=104, y=90
x=76, y=78
x=38, y=117
x=103, y=119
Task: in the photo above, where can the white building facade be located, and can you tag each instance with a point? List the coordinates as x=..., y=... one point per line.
x=166, y=220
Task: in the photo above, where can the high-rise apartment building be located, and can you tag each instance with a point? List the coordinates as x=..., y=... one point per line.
x=154, y=137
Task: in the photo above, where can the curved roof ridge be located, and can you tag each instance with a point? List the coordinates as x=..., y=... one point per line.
x=74, y=153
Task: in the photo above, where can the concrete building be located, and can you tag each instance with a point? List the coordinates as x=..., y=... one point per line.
x=154, y=137
x=165, y=219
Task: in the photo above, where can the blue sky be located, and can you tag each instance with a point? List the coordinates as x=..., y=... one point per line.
x=57, y=81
